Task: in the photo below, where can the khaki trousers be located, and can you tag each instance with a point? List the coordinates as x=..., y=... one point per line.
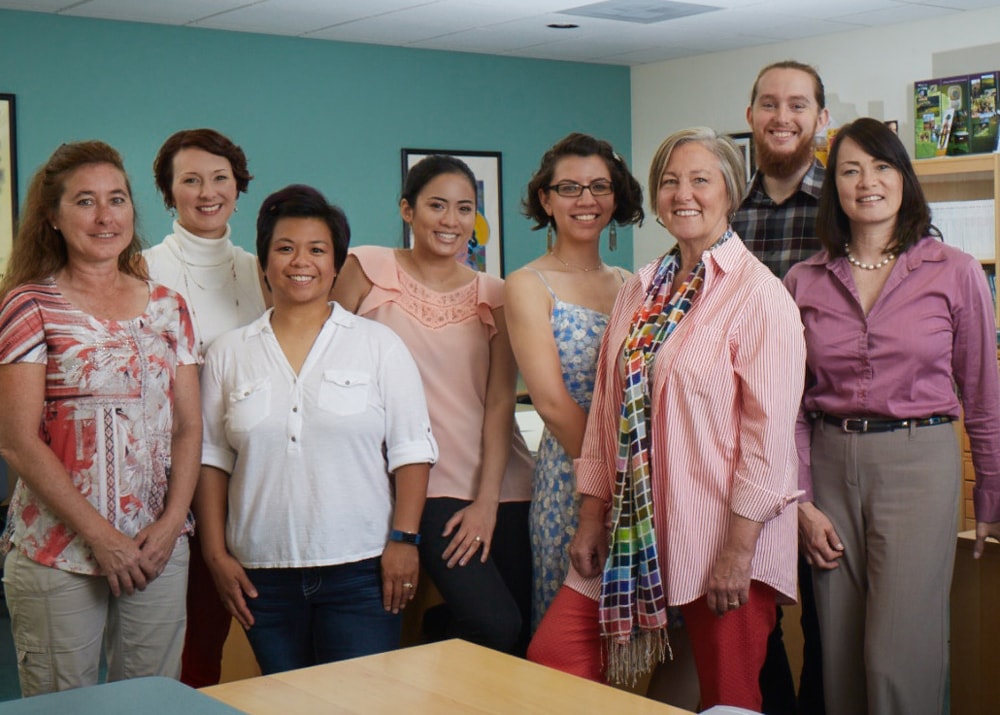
x=883, y=613
x=60, y=620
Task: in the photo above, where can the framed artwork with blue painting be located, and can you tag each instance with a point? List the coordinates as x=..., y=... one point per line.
x=485, y=250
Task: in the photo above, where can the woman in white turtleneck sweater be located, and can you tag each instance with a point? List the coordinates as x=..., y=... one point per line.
x=200, y=174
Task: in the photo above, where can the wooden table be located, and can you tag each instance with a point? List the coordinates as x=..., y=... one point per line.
x=447, y=677
x=148, y=696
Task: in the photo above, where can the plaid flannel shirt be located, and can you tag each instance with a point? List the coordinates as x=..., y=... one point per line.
x=781, y=235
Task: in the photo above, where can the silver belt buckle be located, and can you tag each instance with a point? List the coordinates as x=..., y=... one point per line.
x=864, y=425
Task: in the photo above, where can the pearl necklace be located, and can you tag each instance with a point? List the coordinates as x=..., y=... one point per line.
x=889, y=257
x=579, y=268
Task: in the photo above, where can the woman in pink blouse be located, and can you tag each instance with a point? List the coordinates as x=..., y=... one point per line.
x=101, y=419
x=474, y=530
x=894, y=321
x=689, y=446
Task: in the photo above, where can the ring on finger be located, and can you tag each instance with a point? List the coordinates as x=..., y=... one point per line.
x=478, y=539
x=407, y=584
x=734, y=604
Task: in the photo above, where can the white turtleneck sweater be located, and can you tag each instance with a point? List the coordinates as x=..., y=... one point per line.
x=218, y=280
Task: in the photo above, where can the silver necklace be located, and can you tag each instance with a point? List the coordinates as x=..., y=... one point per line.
x=579, y=268
x=889, y=257
x=189, y=276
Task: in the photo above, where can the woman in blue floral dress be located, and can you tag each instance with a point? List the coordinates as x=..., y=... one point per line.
x=557, y=308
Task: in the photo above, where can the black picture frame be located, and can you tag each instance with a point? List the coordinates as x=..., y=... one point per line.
x=8, y=177
x=485, y=254
x=744, y=142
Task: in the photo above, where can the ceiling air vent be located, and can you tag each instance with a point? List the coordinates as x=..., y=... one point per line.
x=643, y=12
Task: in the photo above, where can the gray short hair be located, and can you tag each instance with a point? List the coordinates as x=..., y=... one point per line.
x=729, y=156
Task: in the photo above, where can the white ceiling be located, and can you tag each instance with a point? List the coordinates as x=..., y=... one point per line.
x=519, y=28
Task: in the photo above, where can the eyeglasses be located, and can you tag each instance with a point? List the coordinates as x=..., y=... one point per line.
x=572, y=190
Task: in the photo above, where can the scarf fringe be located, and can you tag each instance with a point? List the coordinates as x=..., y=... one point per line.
x=630, y=659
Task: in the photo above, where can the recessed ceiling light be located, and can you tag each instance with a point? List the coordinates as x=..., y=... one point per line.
x=563, y=26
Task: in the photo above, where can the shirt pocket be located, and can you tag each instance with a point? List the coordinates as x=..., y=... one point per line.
x=249, y=404
x=344, y=392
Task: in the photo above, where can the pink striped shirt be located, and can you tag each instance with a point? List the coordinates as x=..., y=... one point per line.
x=726, y=391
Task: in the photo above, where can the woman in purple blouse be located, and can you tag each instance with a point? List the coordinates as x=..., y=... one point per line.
x=895, y=320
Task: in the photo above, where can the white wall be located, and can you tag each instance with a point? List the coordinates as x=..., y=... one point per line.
x=867, y=72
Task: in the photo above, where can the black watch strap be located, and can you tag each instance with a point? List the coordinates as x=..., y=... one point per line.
x=406, y=537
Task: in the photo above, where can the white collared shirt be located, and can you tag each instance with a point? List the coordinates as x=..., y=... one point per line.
x=309, y=455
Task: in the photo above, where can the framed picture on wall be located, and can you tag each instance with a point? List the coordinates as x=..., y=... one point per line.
x=485, y=249
x=8, y=179
x=744, y=142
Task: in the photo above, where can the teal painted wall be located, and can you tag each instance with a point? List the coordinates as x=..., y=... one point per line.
x=333, y=115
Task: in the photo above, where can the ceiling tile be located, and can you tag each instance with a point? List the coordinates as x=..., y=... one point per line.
x=518, y=26
x=175, y=12
x=904, y=13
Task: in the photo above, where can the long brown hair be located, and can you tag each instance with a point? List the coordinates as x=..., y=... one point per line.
x=39, y=249
x=913, y=221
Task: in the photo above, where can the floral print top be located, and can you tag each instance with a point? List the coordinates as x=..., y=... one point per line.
x=108, y=412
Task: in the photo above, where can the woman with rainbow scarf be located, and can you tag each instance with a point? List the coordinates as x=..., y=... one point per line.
x=688, y=462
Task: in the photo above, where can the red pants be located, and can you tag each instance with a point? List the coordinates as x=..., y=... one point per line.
x=207, y=625
x=728, y=650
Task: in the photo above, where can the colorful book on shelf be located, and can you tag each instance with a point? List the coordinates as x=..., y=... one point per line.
x=955, y=97
x=926, y=118
x=983, y=120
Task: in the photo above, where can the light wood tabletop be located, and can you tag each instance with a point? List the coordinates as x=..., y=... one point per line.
x=447, y=677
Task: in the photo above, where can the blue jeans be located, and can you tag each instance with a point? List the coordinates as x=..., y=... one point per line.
x=308, y=616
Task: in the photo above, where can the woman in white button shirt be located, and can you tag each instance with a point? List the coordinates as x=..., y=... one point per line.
x=316, y=456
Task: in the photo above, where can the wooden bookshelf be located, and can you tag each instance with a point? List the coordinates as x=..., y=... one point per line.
x=966, y=178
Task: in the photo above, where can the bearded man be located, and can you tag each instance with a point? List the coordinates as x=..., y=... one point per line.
x=777, y=220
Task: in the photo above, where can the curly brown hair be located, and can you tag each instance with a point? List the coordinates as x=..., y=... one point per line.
x=628, y=191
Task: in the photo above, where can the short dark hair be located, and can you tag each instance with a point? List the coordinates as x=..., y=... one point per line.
x=793, y=65
x=207, y=140
x=628, y=191
x=428, y=169
x=913, y=221
x=39, y=250
x=300, y=201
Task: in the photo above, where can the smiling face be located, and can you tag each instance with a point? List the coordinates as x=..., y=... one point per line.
x=204, y=192
x=585, y=216
x=443, y=216
x=692, y=200
x=784, y=117
x=95, y=214
x=300, y=267
x=870, y=190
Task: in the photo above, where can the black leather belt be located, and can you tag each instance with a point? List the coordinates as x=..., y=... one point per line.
x=866, y=424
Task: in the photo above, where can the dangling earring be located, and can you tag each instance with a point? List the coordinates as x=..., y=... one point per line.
x=548, y=238
x=236, y=209
x=612, y=237
x=173, y=212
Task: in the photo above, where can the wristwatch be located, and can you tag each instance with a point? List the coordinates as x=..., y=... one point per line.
x=405, y=537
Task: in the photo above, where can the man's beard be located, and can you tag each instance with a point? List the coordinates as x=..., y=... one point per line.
x=782, y=165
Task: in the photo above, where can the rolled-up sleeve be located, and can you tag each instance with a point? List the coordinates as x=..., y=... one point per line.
x=215, y=448
x=407, y=426
x=769, y=360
